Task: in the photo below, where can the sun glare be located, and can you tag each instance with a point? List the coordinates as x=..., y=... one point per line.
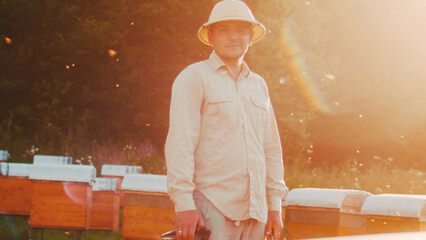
x=361, y=58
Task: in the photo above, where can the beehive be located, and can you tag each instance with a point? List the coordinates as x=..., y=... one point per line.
x=119, y=171
x=148, y=211
x=15, y=188
x=105, y=209
x=48, y=159
x=111, y=170
x=316, y=212
x=388, y=213
x=61, y=196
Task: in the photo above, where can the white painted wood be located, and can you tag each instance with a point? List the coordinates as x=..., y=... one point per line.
x=145, y=182
x=48, y=159
x=326, y=198
x=396, y=205
x=15, y=169
x=3, y=155
x=119, y=170
x=105, y=184
x=64, y=172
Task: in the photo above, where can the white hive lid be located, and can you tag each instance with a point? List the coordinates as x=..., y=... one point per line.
x=105, y=184
x=397, y=205
x=145, y=182
x=48, y=159
x=119, y=170
x=327, y=198
x=15, y=169
x=3, y=155
x=64, y=172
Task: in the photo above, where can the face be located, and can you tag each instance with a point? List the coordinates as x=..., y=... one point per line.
x=231, y=39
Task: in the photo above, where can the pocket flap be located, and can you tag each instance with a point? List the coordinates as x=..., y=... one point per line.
x=259, y=102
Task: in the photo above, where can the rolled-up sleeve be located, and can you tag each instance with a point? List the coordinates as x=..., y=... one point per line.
x=182, y=138
x=276, y=189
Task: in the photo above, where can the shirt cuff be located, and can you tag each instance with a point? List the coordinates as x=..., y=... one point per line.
x=184, y=202
x=274, y=203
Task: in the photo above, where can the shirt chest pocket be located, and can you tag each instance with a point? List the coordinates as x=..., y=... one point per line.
x=257, y=109
x=220, y=111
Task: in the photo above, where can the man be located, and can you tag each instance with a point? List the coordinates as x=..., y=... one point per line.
x=223, y=152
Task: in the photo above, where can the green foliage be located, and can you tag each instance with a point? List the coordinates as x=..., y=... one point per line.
x=14, y=227
x=63, y=90
x=91, y=78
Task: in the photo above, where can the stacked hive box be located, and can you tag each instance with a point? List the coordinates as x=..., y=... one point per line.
x=105, y=207
x=315, y=212
x=3, y=156
x=48, y=159
x=148, y=211
x=15, y=188
x=61, y=196
x=119, y=171
x=395, y=213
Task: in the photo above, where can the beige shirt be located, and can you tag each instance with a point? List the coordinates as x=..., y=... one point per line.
x=223, y=141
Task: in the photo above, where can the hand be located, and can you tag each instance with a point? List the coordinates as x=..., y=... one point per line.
x=274, y=225
x=186, y=223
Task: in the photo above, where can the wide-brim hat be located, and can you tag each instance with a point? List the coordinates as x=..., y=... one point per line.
x=231, y=10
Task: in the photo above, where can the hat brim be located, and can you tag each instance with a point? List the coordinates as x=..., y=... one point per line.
x=259, y=31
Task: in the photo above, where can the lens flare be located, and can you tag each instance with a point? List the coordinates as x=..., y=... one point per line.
x=298, y=70
x=74, y=193
x=7, y=40
x=112, y=52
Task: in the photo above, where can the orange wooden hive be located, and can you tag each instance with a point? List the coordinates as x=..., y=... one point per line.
x=315, y=213
x=61, y=196
x=119, y=171
x=105, y=210
x=15, y=188
x=148, y=211
x=388, y=213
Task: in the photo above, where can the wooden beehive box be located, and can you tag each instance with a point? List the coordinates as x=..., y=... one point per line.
x=148, y=211
x=15, y=188
x=49, y=160
x=316, y=212
x=119, y=171
x=387, y=213
x=105, y=209
x=61, y=196
x=3, y=156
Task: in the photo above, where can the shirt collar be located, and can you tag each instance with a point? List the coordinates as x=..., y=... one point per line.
x=216, y=63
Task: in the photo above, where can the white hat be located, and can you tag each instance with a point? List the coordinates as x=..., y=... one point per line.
x=231, y=10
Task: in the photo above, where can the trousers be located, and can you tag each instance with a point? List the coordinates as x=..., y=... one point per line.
x=223, y=228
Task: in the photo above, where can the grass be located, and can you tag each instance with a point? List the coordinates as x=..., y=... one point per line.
x=377, y=178
x=17, y=228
